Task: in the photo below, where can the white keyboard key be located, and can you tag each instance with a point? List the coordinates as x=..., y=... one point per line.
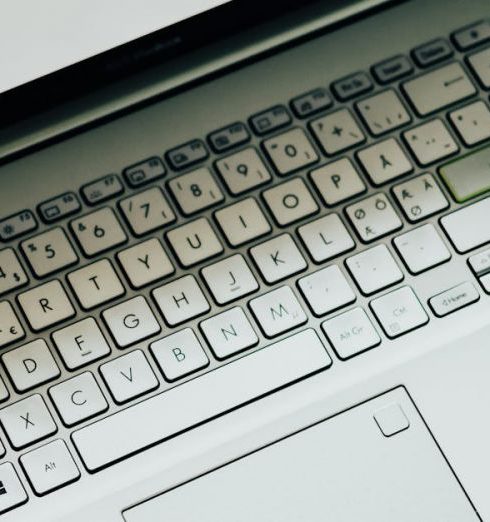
x=50, y=467
x=4, y=394
x=326, y=290
x=278, y=258
x=242, y=222
x=326, y=237
x=196, y=191
x=480, y=263
x=81, y=343
x=278, y=311
x=14, y=493
x=480, y=63
x=399, y=312
x=454, y=299
x=374, y=269
x=147, y=211
x=129, y=376
x=131, y=322
x=12, y=275
x=181, y=300
x=351, y=333
x=179, y=354
x=2, y=449
x=338, y=181
x=46, y=305
x=229, y=279
x=49, y=252
x=485, y=282
x=96, y=284
x=290, y=151
x=27, y=421
x=194, y=242
x=422, y=248
x=374, y=217
x=420, y=197
x=229, y=333
x=10, y=328
x=290, y=201
x=472, y=122
x=98, y=232
x=78, y=399
x=30, y=365
x=384, y=161
x=145, y=263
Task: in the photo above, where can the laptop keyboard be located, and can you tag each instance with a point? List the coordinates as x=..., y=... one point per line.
x=206, y=266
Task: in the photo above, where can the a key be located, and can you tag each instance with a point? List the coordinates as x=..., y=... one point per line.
x=46, y=305
x=326, y=237
x=49, y=252
x=147, y=211
x=102, y=189
x=50, y=467
x=98, y=232
x=290, y=201
x=454, y=299
x=145, y=263
x=96, y=284
x=13, y=493
x=129, y=376
x=290, y=151
x=432, y=52
x=30, y=365
x=10, y=328
x=373, y=217
x=399, y=312
x=27, y=421
x=242, y=222
x=422, y=248
x=374, y=269
x=326, y=290
x=472, y=122
x=392, y=69
x=352, y=86
x=12, y=275
x=196, y=191
x=420, y=197
x=181, y=300
x=78, y=399
x=17, y=225
x=194, y=242
x=59, y=207
x=131, y=321
x=229, y=137
x=337, y=131
x=179, y=354
x=187, y=154
x=311, y=102
x=472, y=35
x=270, y=120
x=278, y=258
x=480, y=64
x=230, y=279
x=81, y=343
x=229, y=332
x=144, y=172
x=338, y=181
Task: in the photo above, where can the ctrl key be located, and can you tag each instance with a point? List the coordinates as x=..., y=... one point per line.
x=12, y=492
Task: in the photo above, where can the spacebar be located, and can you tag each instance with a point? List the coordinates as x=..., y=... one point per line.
x=165, y=415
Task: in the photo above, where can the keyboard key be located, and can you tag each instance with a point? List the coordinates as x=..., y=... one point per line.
x=12, y=275
x=392, y=69
x=229, y=333
x=290, y=151
x=472, y=35
x=78, y=399
x=187, y=154
x=480, y=65
x=98, y=232
x=181, y=300
x=179, y=354
x=27, y=421
x=129, y=376
x=311, y=102
x=480, y=263
x=30, y=365
x=278, y=311
x=352, y=86
x=374, y=269
x=17, y=225
x=4, y=394
x=420, y=197
x=81, y=343
x=59, y=207
x=326, y=237
x=270, y=120
x=46, y=305
x=278, y=258
x=485, y=282
x=144, y=172
x=50, y=467
x=10, y=328
x=131, y=322
x=472, y=123
x=242, y=222
x=438, y=89
x=454, y=299
x=399, y=312
x=373, y=217
x=102, y=189
x=432, y=52
x=147, y=211
x=326, y=290
x=96, y=284
x=13, y=492
x=229, y=137
x=422, y=248
x=351, y=333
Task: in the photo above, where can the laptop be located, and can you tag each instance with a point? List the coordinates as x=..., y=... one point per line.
x=245, y=262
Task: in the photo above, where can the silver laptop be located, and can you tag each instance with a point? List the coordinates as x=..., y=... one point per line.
x=245, y=267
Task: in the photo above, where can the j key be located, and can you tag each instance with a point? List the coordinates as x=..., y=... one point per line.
x=229, y=137
x=480, y=64
x=12, y=274
x=14, y=493
x=473, y=35
x=472, y=122
x=59, y=207
x=432, y=52
x=144, y=172
x=10, y=328
x=270, y=120
x=311, y=102
x=17, y=225
x=352, y=86
x=103, y=189
x=392, y=69
x=187, y=154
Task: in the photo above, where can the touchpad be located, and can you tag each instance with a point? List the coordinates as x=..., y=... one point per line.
x=375, y=461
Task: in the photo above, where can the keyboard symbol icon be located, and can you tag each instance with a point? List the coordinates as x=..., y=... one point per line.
x=3, y=490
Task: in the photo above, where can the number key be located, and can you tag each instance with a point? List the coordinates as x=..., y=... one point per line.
x=12, y=274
